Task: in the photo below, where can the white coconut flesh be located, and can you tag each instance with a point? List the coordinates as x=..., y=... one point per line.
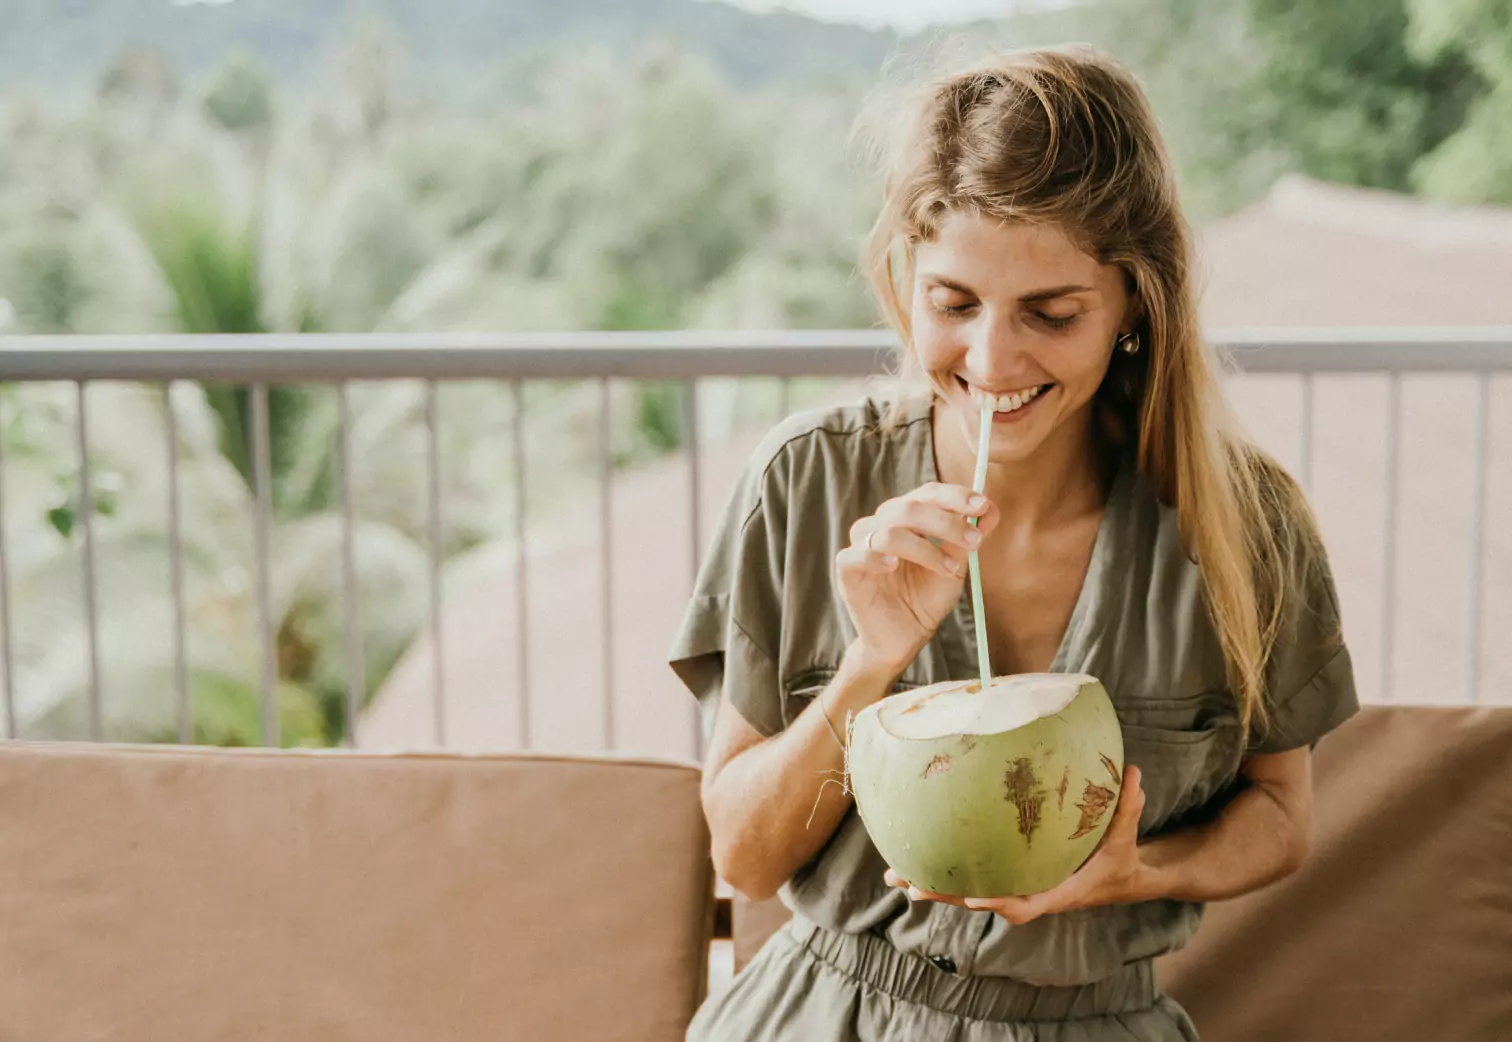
x=1007, y=704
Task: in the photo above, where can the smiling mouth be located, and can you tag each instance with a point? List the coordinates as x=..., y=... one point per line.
x=1005, y=403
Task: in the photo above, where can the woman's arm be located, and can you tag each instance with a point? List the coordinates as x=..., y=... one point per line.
x=768, y=807
x=766, y=801
x=1259, y=837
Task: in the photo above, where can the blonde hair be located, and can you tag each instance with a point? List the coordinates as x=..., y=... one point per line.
x=1066, y=137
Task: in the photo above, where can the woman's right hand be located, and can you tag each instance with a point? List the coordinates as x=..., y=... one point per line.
x=898, y=585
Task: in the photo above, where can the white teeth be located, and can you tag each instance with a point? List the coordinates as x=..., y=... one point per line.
x=1006, y=402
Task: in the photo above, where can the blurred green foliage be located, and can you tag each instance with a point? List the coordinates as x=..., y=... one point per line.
x=469, y=165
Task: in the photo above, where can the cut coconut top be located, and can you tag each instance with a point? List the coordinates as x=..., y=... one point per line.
x=1011, y=702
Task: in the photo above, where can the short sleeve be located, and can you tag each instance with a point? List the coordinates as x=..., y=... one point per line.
x=1310, y=684
x=730, y=634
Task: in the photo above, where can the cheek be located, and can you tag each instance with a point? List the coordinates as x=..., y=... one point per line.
x=934, y=346
x=1083, y=366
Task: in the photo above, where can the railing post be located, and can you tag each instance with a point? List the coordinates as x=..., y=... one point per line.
x=695, y=496
x=606, y=558
x=1305, y=437
x=91, y=576
x=522, y=589
x=176, y=572
x=437, y=551
x=7, y=646
x=1482, y=435
x=262, y=467
x=1388, y=555
x=356, y=666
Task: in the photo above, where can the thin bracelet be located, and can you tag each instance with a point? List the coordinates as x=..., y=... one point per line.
x=829, y=723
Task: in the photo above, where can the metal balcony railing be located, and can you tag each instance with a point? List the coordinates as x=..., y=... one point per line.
x=256, y=362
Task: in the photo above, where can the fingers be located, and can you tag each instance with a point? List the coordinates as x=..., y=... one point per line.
x=907, y=545
x=937, y=515
x=918, y=532
x=1024, y=908
x=942, y=512
x=1131, y=801
x=930, y=521
x=915, y=894
x=958, y=499
x=881, y=550
x=862, y=559
x=1016, y=910
x=892, y=879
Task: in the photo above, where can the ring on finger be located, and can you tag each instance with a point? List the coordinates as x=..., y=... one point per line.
x=868, y=543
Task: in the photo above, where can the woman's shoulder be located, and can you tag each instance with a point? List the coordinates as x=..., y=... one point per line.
x=841, y=443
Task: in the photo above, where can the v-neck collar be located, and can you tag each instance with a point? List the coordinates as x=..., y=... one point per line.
x=1084, y=615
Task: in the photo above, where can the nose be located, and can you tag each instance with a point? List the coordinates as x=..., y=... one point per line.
x=993, y=353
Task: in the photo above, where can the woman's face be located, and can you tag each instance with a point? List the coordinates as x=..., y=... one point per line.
x=1015, y=312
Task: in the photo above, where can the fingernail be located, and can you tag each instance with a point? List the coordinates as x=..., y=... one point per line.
x=915, y=894
x=977, y=502
x=973, y=537
x=889, y=560
x=952, y=564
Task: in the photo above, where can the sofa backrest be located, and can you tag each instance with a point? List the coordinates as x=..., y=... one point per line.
x=1399, y=927
x=149, y=894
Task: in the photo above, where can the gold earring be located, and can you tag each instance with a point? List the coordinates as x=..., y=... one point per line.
x=1129, y=343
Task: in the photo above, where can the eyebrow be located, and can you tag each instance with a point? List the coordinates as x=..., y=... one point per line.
x=1038, y=296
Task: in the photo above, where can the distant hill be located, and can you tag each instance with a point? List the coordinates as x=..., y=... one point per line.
x=66, y=43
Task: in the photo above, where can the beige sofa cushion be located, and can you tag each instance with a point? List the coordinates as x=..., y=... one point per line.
x=1399, y=928
x=152, y=895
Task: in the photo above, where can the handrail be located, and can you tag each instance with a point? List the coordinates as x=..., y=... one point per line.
x=664, y=355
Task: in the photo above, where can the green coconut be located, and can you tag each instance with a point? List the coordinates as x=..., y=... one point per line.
x=989, y=793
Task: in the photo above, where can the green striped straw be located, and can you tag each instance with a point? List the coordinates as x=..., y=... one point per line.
x=978, y=484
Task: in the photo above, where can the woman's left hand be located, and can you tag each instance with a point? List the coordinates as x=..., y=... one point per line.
x=1114, y=874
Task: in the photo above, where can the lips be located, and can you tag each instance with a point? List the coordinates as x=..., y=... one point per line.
x=1008, y=402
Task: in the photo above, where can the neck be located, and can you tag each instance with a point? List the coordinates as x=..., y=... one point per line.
x=1061, y=479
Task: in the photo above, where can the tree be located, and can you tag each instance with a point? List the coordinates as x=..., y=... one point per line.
x=128, y=452
x=625, y=193
x=1349, y=97
x=240, y=98
x=1474, y=164
x=1251, y=89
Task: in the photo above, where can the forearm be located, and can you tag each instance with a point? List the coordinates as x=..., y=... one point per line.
x=773, y=807
x=1259, y=838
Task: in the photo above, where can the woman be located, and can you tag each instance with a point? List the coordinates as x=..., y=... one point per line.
x=1030, y=249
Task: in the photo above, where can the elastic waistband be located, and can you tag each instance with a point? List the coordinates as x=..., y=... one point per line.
x=874, y=961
